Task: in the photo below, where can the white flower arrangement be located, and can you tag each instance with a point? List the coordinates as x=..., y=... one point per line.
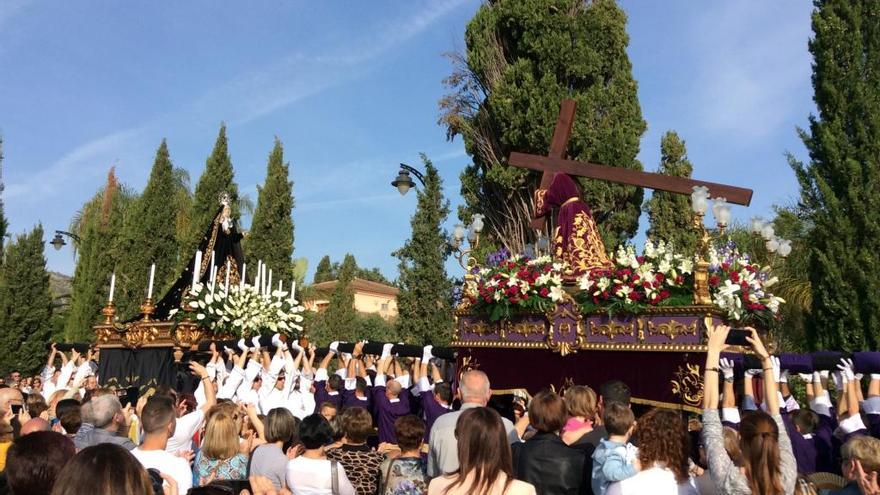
x=245, y=310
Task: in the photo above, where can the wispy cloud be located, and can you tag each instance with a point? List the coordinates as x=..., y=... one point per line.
x=239, y=100
x=749, y=82
x=85, y=162
x=298, y=76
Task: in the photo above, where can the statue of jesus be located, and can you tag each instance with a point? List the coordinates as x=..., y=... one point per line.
x=576, y=239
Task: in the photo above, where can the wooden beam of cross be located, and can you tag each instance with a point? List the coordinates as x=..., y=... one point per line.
x=555, y=162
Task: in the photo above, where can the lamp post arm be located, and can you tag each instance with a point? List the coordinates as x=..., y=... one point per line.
x=415, y=172
x=68, y=234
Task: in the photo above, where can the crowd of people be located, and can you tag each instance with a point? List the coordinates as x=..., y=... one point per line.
x=269, y=420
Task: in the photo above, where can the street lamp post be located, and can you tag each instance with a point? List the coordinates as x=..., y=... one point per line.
x=404, y=182
x=58, y=241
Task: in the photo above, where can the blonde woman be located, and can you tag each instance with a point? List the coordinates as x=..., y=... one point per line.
x=580, y=401
x=221, y=457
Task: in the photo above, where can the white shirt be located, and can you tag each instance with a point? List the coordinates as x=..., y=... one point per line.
x=656, y=481
x=187, y=426
x=312, y=477
x=168, y=464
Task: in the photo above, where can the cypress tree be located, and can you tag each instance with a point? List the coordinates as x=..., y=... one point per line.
x=840, y=186
x=669, y=215
x=324, y=270
x=25, y=305
x=99, y=226
x=523, y=57
x=340, y=316
x=271, y=235
x=149, y=236
x=423, y=303
x=3, y=223
x=218, y=178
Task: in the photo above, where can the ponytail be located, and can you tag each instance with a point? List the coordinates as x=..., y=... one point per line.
x=761, y=459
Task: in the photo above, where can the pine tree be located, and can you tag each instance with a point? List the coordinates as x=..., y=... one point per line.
x=99, y=225
x=3, y=223
x=271, y=235
x=324, y=270
x=424, y=300
x=523, y=58
x=218, y=178
x=25, y=305
x=840, y=186
x=669, y=215
x=149, y=236
x=340, y=316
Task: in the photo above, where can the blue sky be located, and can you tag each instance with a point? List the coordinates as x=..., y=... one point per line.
x=351, y=88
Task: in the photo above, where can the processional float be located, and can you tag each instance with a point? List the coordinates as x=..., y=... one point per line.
x=578, y=315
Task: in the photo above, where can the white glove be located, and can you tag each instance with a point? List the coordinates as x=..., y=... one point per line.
x=427, y=354
x=334, y=346
x=294, y=345
x=783, y=378
x=846, y=369
x=777, y=371
x=276, y=340
x=824, y=374
x=386, y=350
x=726, y=366
x=242, y=345
x=256, y=342
x=754, y=372
x=875, y=376
x=806, y=377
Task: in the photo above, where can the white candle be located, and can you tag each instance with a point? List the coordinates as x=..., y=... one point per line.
x=257, y=276
x=152, y=278
x=263, y=278
x=197, y=268
x=226, y=285
x=269, y=283
x=112, y=286
x=243, y=273
x=292, y=291
x=213, y=257
x=280, y=284
x=213, y=278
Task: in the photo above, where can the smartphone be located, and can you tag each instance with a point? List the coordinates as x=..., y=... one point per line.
x=737, y=336
x=16, y=408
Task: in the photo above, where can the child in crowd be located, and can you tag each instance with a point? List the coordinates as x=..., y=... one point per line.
x=615, y=459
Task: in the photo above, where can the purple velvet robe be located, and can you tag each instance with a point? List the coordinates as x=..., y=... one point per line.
x=350, y=399
x=432, y=410
x=322, y=396
x=387, y=412
x=576, y=239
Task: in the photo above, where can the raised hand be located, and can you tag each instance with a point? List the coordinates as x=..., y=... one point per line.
x=726, y=366
x=198, y=369
x=757, y=344
x=717, y=335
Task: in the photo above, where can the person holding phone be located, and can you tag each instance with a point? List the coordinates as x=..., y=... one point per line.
x=769, y=467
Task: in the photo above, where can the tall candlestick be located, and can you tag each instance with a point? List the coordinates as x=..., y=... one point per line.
x=269, y=282
x=243, y=274
x=197, y=268
x=152, y=278
x=213, y=259
x=292, y=291
x=213, y=278
x=280, y=284
x=112, y=286
x=226, y=285
x=263, y=278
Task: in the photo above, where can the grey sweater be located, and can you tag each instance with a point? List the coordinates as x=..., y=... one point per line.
x=727, y=477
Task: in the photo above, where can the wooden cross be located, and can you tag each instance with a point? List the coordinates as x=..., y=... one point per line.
x=556, y=162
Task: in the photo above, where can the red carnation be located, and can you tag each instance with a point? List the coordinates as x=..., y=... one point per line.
x=545, y=292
